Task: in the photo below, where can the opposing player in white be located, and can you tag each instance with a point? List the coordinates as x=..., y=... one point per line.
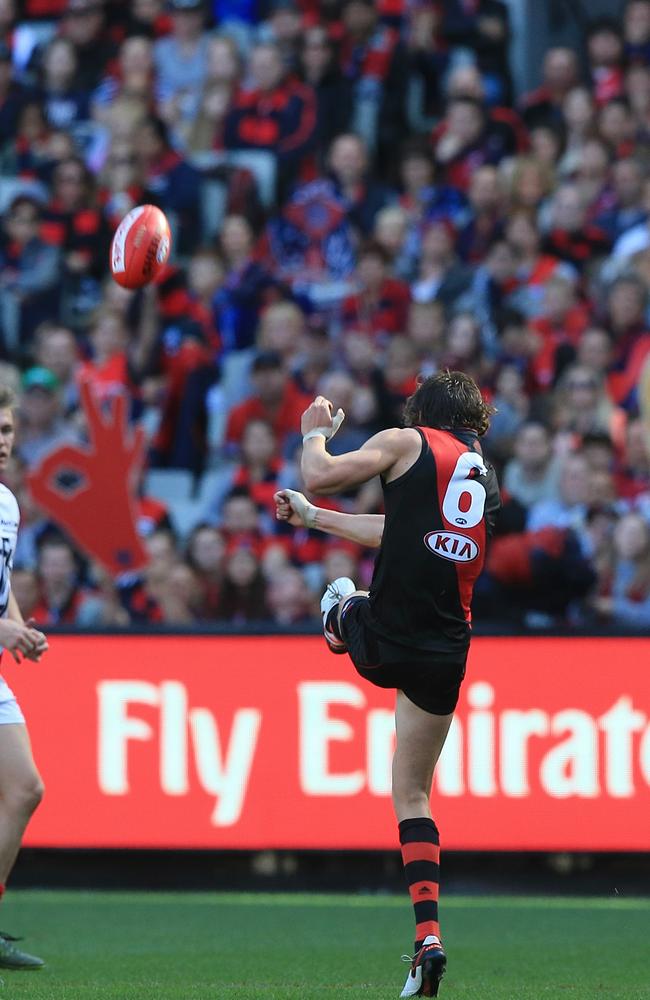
x=21, y=788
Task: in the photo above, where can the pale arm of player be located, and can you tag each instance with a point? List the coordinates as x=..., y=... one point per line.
x=325, y=473
x=364, y=529
x=13, y=611
x=19, y=636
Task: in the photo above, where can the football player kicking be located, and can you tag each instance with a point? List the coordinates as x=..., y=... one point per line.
x=21, y=788
x=411, y=632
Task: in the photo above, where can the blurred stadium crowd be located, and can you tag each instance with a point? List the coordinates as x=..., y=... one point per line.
x=357, y=196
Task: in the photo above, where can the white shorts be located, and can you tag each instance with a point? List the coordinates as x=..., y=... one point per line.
x=9, y=708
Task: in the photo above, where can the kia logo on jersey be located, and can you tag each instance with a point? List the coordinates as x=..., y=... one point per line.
x=452, y=545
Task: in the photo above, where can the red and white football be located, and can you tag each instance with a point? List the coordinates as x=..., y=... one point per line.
x=140, y=246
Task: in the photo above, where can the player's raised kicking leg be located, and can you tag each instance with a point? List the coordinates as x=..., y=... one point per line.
x=333, y=601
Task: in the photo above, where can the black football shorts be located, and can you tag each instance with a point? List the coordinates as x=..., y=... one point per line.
x=430, y=681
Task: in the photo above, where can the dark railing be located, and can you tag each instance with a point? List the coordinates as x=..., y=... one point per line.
x=492, y=629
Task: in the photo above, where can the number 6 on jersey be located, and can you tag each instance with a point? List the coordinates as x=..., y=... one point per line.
x=464, y=499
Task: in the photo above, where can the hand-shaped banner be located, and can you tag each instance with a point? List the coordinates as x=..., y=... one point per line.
x=91, y=491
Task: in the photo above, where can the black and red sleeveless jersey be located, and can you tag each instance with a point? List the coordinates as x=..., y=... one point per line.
x=438, y=518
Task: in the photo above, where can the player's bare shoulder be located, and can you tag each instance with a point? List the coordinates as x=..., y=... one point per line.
x=406, y=445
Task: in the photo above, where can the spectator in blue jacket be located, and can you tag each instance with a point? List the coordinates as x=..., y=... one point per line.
x=29, y=273
x=174, y=184
x=627, y=598
x=277, y=114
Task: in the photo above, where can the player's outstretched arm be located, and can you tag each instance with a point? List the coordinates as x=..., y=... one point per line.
x=365, y=529
x=325, y=473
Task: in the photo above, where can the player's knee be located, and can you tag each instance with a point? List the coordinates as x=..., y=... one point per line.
x=37, y=792
x=25, y=797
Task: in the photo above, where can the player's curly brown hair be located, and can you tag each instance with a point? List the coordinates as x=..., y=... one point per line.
x=448, y=401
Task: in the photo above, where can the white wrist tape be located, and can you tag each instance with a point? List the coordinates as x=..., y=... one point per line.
x=302, y=507
x=326, y=432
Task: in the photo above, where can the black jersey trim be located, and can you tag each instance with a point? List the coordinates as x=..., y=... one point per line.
x=400, y=479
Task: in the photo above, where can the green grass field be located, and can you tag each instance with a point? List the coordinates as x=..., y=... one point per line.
x=189, y=946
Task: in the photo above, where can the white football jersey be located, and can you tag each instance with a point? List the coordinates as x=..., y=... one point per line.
x=9, y=521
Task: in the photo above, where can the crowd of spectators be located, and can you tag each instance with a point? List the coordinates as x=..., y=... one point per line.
x=358, y=195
